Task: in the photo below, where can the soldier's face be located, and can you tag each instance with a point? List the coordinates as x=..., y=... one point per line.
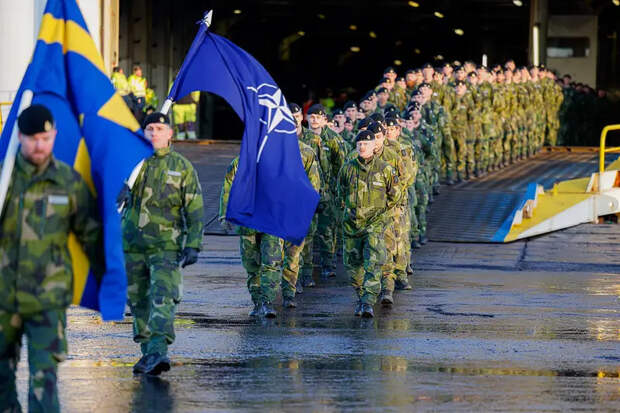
x=138, y=71
x=348, y=126
x=393, y=132
x=159, y=134
x=379, y=138
x=402, y=84
x=298, y=117
x=409, y=123
x=410, y=78
x=315, y=121
x=460, y=75
x=351, y=113
x=340, y=118
x=383, y=97
x=461, y=89
x=365, y=149
x=417, y=115
x=428, y=72
x=37, y=148
x=426, y=92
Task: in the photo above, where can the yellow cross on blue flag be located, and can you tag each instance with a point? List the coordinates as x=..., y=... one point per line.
x=97, y=135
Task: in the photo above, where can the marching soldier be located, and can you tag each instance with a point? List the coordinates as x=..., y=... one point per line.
x=46, y=201
x=162, y=230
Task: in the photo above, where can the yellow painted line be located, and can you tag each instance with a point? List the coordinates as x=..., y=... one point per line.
x=548, y=207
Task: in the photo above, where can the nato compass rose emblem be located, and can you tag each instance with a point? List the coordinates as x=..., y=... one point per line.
x=279, y=117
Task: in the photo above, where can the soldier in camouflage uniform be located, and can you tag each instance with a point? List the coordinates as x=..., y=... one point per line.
x=292, y=252
x=162, y=229
x=367, y=189
x=461, y=114
x=46, y=200
x=330, y=160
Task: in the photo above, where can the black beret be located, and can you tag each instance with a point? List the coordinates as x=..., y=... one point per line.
x=389, y=69
x=416, y=93
x=155, y=117
x=460, y=82
x=35, y=119
x=350, y=104
x=348, y=120
x=389, y=108
x=377, y=117
x=368, y=95
x=427, y=66
x=424, y=84
x=365, y=136
x=381, y=90
x=337, y=112
x=364, y=123
x=391, y=121
x=294, y=107
x=316, y=109
x=447, y=64
x=415, y=106
x=400, y=79
x=376, y=127
x=410, y=71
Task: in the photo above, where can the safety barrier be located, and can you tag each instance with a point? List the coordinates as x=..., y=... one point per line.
x=603, y=150
x=1, y=105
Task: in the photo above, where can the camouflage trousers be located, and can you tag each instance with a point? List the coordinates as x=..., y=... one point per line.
x=460, y=135
x=422, y=191
x=154, y=288
x=481, y=154
x=307, y=254
x=414, y=230
x=47, y=346
x=448, y=156
x=553, y=125
x=261, y=256
x=326, y=234
x=496, y=151
x=290, y=268
x=398, y=247
x=364, y=256
x=470, y=157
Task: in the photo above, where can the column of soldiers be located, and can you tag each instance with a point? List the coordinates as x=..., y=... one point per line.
x=378, y=165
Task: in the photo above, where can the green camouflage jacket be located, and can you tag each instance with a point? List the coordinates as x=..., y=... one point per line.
x=40, y=210
x=165, y=211
x=367, y=191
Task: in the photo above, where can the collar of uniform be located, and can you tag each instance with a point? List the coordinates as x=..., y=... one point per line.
x=365, y=163
x=32, y=170
x=163, y=151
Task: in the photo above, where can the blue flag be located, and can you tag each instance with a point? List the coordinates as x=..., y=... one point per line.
x=271, y=191
x=66, y=74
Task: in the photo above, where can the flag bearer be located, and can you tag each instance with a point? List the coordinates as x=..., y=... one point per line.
x=46, y=200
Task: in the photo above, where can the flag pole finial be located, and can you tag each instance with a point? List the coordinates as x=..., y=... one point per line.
x=207, y=18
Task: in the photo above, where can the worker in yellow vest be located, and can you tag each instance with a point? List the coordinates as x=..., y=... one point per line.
x=119, y=80
x=137, y=92
x=184, y=114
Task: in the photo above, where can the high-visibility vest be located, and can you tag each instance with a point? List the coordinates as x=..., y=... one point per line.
x=137, y=86
x=120, y=83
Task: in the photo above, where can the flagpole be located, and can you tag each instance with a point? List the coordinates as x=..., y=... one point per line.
x=11, y=151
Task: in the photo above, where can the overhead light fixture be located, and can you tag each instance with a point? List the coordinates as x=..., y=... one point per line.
x=301, y=33
x=321, y=16
x=353, y=27
x=414, y=4
x=398, y=62
x=355, y=49
x=459, y=32
x=373, y=35
x=485, y=60
x=237, y=11
x=536, y=44
x=439, y=57
x=417, y=51
x=517, y=3
x=616, y=2
x=439, y=15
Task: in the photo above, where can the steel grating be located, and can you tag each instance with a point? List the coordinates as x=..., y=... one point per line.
x=474, y=211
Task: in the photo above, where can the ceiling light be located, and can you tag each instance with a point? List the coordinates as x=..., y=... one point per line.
x=438, y=14
x=439, y=57
x=398, y=62
x=373, y=35
x=355, y=49
x=301, y=33
x=459, y=32
x=616, y=2
x=414, y=4
x=517, y=3
x=417, y=51
x=237, y=11
x=321, y=16
x=353, y=27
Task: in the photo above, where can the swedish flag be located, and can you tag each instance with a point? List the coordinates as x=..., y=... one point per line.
x=97, y=134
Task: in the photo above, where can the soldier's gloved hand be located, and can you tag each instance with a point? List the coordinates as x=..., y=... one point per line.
x=123, y=198
x=189, y=256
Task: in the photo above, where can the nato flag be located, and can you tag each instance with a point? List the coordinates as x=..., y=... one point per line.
x=271, y=192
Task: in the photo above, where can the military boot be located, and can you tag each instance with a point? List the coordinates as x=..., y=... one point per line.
x=298, y=287
x=423, y=239
x=140, y=366
x=289, y=302
x=308, y=281
x=386, y=298
x=403, y=284
x=416, y=244
x=156, y=363
x=255, y=310
x=267, y=310
x=409, y=269
x=358, y=309
x=367, y=311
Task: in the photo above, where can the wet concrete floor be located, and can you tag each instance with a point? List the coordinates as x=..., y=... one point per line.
x=527, y=326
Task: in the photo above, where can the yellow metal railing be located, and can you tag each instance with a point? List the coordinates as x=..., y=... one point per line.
x=3, y=104
x=604, y=149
